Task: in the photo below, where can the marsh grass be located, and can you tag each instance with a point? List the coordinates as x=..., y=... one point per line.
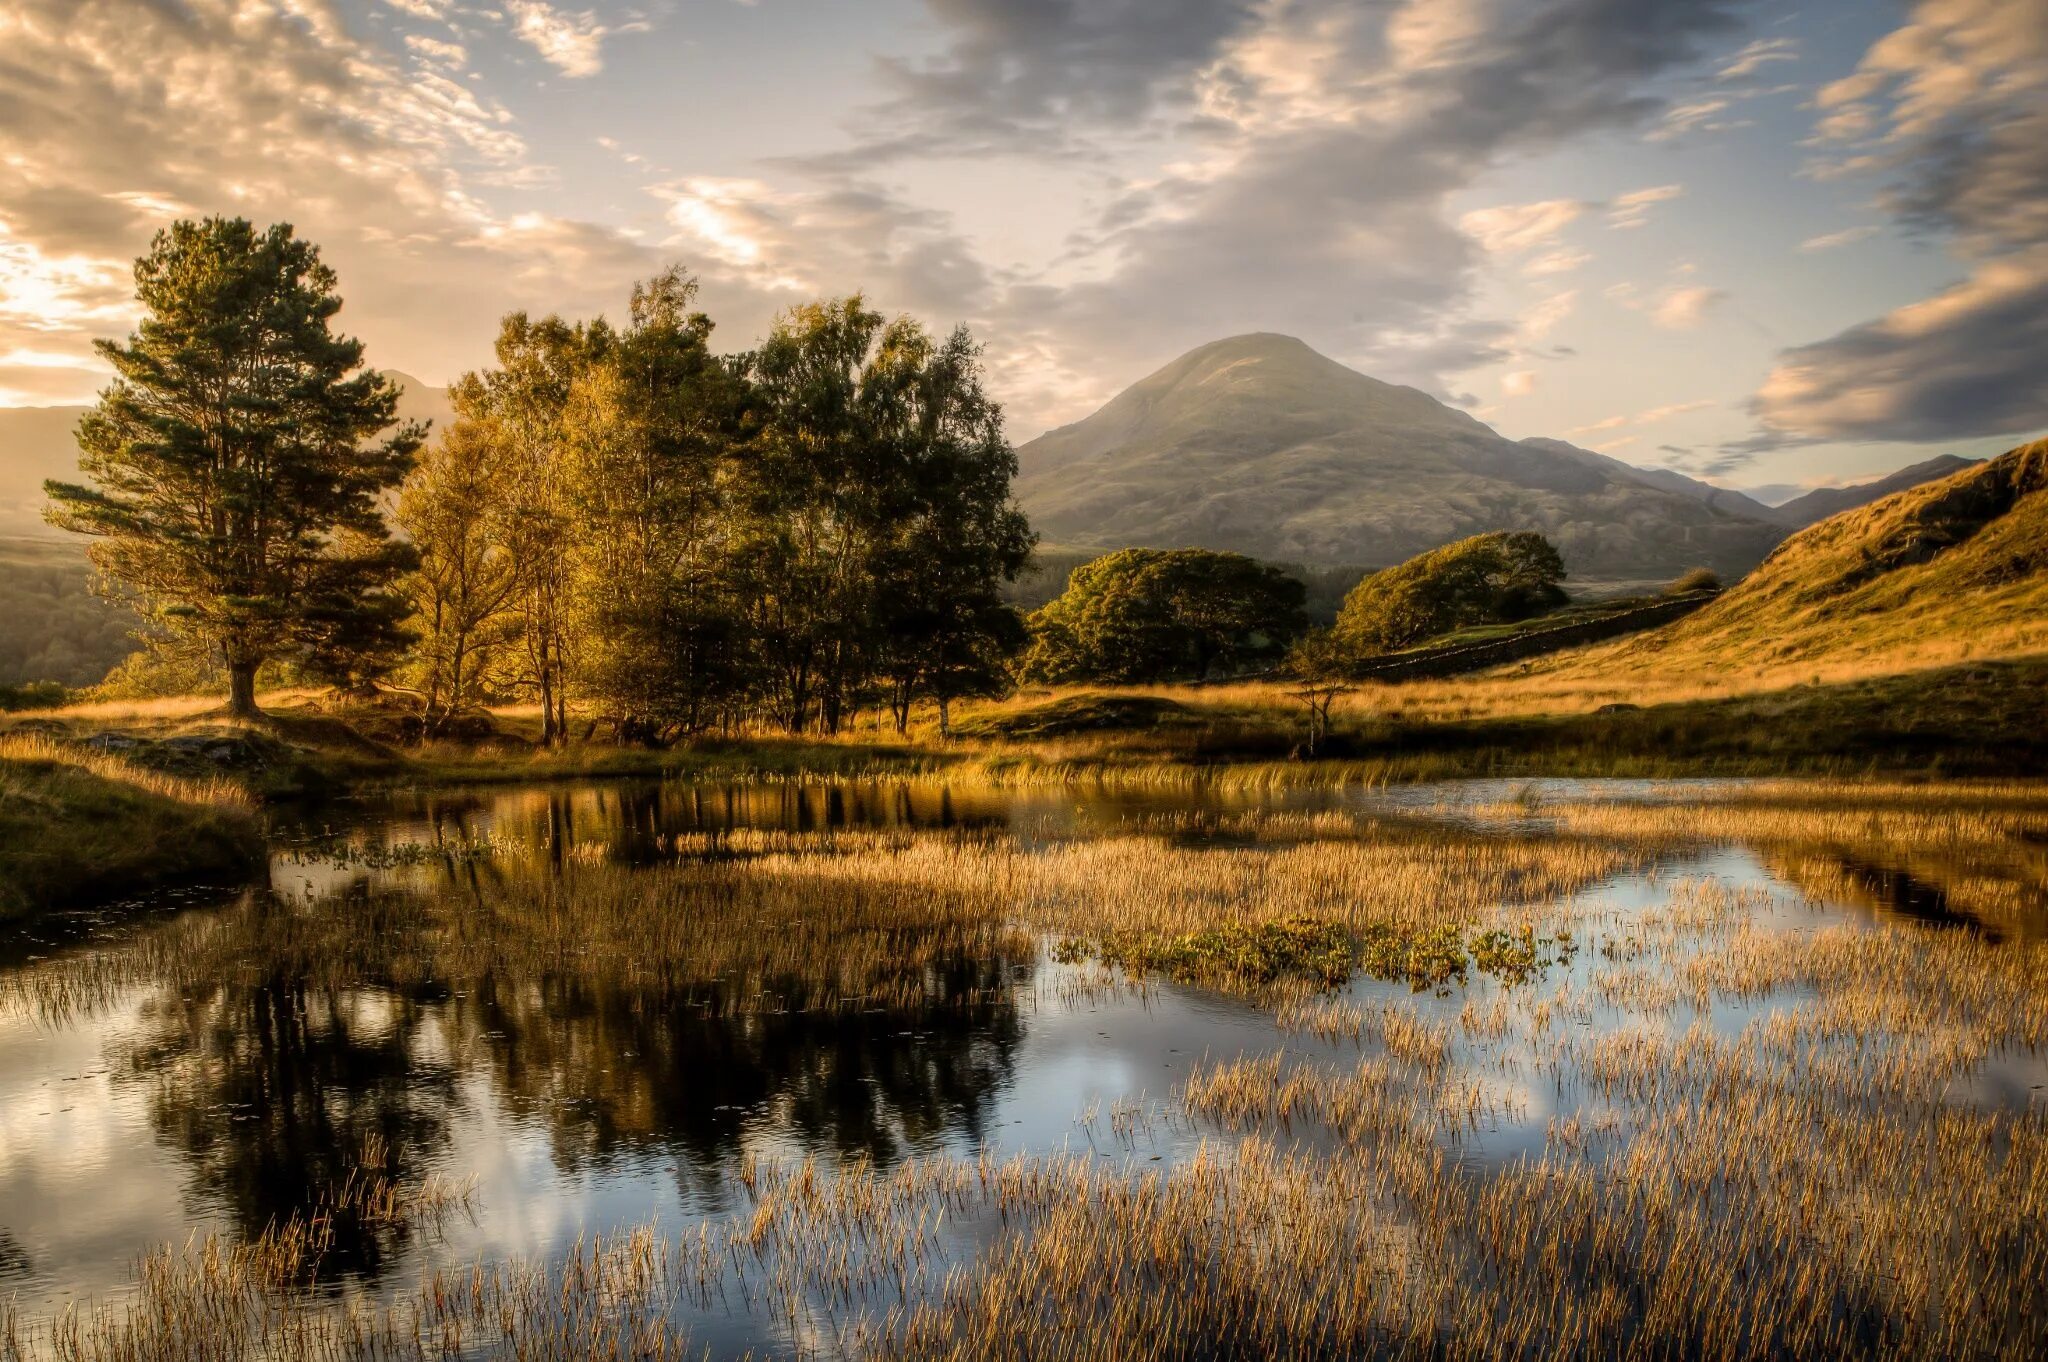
x=75, y=824
x=1755, y=1130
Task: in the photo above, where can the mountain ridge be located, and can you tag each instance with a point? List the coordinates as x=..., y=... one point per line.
x=1261, y=445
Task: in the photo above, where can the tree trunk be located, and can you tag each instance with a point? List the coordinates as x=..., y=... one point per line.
x=242, y=690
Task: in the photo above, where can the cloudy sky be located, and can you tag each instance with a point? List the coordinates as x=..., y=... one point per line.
x=1784, y=242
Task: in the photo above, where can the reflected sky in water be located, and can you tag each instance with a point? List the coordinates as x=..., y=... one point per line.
x=582, y=1105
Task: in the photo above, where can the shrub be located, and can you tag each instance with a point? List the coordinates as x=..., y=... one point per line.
x=1695, y=581
x=1487, y=579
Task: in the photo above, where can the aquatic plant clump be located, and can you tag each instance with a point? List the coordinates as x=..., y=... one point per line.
x=1326, y=954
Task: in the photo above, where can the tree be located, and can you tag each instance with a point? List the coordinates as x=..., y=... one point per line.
x=1320, y=665
x=1143, y=615
x=650, y=430
x=526, y=398
x=463, y=592
x=945, y=630
x=233, y=490
x=881, y=512
x=1486, y=579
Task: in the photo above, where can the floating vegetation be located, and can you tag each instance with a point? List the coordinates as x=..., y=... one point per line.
x=1325, y=954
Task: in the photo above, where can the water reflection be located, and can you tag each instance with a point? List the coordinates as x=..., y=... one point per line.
x=275, y=1094
x=509, y=999
x=611, y=1072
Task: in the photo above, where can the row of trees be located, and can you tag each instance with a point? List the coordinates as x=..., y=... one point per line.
x=685, y=541
x=674, y=539
x=621, y=519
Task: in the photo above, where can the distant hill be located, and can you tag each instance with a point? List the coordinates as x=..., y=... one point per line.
x=1719, y=498
x=1823, y=502
x=1260, y=445
x=37, y=443
x=1940, y=573
x=52, y=628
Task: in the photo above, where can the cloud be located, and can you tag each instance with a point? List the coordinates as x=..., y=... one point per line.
x=573, y=43
x=1516, y=227
x=1848, y=236
x=1540, y=320
x=1643, y=418
x=1952, y=107
x=1693, y=116
x=1594, y=427
x=1681, y=309
x=1326, y=139
x=1555, y=262
x=1665, y=413
x=435, y=50
x=760, y=248
x=1759, y=54
x=1029, y=77
x=1519, y=383
x=116, y=116
x=1633, y=208
x=1966, y=362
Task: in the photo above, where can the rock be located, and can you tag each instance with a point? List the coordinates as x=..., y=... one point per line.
x=1619, y=707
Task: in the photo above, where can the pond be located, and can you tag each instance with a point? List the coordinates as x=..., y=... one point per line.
x=541, y=1015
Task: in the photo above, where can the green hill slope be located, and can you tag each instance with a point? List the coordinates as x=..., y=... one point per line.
x=1949, y=571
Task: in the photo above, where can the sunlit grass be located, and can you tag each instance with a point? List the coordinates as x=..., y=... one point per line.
x=1758, y=1133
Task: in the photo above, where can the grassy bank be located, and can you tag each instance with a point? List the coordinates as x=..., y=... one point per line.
x=77, y=826
x=1983, y=719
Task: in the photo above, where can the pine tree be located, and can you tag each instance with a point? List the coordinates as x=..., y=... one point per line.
x=235, y=491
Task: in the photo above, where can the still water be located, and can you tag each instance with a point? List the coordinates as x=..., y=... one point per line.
x=140, y=1105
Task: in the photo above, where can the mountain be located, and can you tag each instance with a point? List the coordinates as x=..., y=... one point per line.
x=1946, y=571
x=1823, y=502
x=1260, y=445
x=37, y=443
x=1720, y=498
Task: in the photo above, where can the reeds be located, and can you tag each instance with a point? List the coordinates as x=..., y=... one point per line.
x=1751, y=1131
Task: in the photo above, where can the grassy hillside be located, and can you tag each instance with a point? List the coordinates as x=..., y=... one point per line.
x=1947, y=572
x=76, y=825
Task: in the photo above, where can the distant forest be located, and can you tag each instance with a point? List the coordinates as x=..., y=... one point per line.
x=52, y=626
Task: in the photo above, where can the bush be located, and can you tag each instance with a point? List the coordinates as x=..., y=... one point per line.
x=1144, y=615
x=1494, y=578
x=1693, y=582
x=34, y=695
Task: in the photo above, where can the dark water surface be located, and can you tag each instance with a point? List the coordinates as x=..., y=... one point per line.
x=138, y=1107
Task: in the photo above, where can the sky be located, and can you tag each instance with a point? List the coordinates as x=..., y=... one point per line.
x=1779, y=244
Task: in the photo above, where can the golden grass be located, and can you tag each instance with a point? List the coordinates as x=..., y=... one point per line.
x=76, y=824
x=1815, y=1177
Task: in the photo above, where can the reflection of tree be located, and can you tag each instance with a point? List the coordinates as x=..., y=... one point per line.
x=613, y=1070
x=277, y=1091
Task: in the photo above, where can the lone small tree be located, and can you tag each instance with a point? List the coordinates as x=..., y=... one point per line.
x=234, y=489
x=1319, y=664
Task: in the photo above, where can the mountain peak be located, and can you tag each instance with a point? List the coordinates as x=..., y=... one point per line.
x=1260, y=444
